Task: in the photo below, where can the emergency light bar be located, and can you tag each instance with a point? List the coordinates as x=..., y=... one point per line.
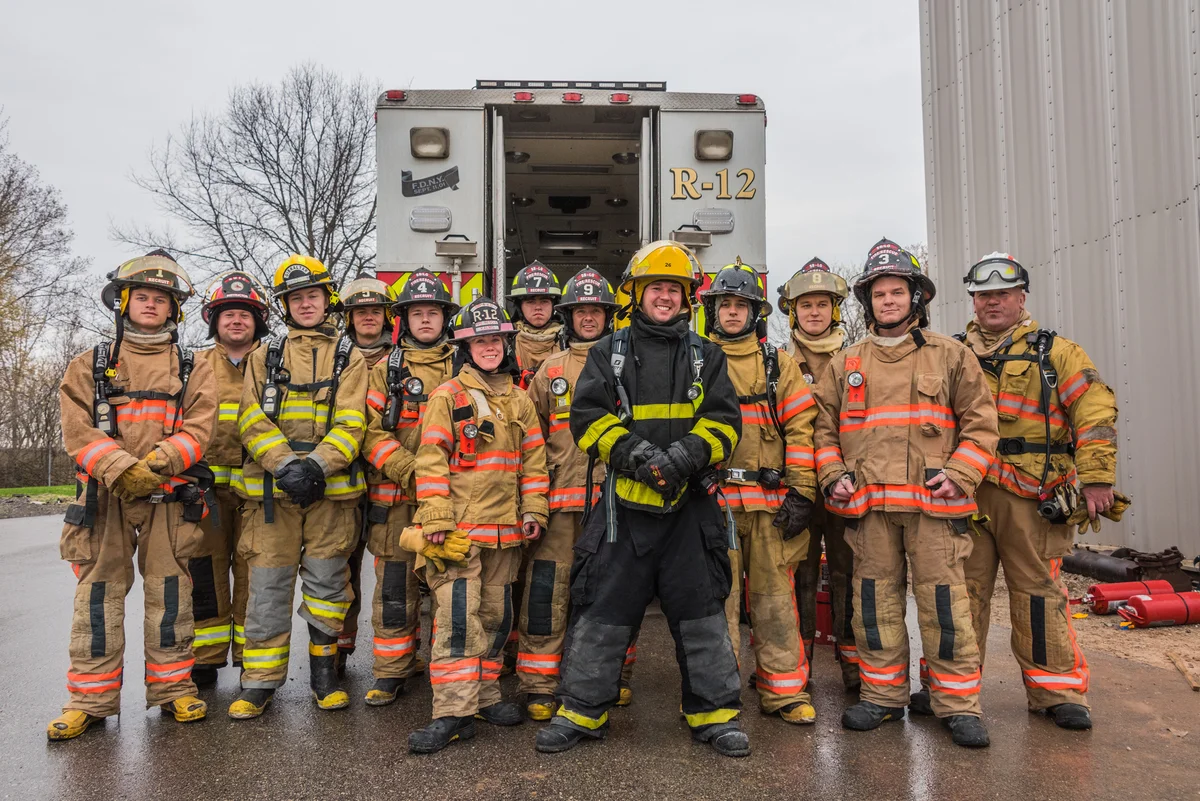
x=645, y=86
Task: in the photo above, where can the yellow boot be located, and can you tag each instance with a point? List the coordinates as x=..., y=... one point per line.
x=251, y=703
x=625, y=698
x=70, y=724
x=186, y=709
x=322, y=674
x=799, y=713
x=540, y=707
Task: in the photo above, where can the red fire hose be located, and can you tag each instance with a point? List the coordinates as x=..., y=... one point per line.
x=1106, y=599
x=1172, y=609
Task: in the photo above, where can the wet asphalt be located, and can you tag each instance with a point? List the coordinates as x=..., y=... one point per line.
x=296, y=751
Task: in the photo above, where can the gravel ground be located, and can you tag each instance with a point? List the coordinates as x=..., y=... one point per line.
x=32, y=506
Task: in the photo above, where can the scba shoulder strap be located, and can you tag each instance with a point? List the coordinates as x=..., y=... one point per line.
x=616, y=360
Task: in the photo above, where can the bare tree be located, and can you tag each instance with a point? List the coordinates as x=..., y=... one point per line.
x=282, y=169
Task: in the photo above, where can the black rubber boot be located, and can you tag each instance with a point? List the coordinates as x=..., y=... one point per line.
x=501, y=713
x=1070, y=716
x=205, y=675
x=919, y=703
x=727, y=739
x=384, y=692
x=558, y=737
x=322, y=653
x=967, y=731
x=865, y=716
x=251, y=703
x=440, y=733
x=340, y=658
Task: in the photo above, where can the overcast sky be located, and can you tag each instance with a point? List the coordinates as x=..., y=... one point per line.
x=88, y=88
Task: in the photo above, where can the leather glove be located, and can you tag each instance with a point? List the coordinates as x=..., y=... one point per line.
x=314, y=484
x=631, y=452
x=135, y=483
x=795, y=515
x=667, y=472
x=1121, y=504
x=453, y=550
x=158, y=463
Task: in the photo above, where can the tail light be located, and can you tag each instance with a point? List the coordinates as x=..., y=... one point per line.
x=396, y=94
x=747, y=100
x=620, y=97
x=572, y=97
x=522, y=97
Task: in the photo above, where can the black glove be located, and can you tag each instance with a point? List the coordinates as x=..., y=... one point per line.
x=795, y=515
x=314, y=484
x=292, y=478
x=667, y=472
x=630, y=453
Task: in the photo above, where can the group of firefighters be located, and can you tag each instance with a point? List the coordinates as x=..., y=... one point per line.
x=544, y=473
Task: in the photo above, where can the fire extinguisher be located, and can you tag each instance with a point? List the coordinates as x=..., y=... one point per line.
x=1106, y=599
x=1171, y=609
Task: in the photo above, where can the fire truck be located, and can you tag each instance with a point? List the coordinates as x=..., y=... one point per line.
x=474, y=184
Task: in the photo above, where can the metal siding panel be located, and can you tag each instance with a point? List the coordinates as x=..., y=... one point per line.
x=1079, y=152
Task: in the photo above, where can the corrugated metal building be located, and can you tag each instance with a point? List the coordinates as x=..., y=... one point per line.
x=1066, y=132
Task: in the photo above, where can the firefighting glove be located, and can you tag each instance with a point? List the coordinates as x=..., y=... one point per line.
x=136, y=482
x=1121, y=504
x=795, y=515
x=667, y=472
x=158, y=463
x=630, y=453
x=314, y=487
x=296, y=479
x=452, y=550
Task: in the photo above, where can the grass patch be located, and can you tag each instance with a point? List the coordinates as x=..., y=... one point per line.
x=40, y=493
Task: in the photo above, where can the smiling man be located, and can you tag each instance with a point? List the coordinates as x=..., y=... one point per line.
x=654, y=402
x=905, y=431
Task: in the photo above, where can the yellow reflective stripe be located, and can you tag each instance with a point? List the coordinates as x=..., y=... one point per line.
x=704, y=429
x=663, y=411
x=334, y=487
x=221, y=475
x=322, y=650
x=345, y=485
x=639, y=493
x=347, y=445
x=264, y=442
x=239, y=634
x=596, y=429
x=350, y=417
x=211, y=635
x=265, y=657
x=583, y=720
x=708, y=718
x=249, y=416
x=332, y=609
x=227, y=412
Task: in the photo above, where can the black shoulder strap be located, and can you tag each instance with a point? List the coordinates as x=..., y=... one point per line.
x=616, y=360
x=395, y=371
x=961, y=336
x=187, y=362
x=100, y=357
x=771, y=367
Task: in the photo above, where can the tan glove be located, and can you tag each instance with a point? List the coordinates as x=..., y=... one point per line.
x=136, y=482
x=1121, y=504
x=157, y=463
x=453, y=550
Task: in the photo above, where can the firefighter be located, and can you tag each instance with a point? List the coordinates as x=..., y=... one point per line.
x=587, y=306
x=301, y=422
x=370, y=321
x=769, y=484
x=481, y=472
x=906, y=428
x=657, y=529
x=235, y=309
x=1030, y=496
x=532, y=296
x=137, y=414
x=397, y=394
x=813, y=299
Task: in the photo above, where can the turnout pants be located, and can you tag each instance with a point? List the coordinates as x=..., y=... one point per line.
x=102, y=557
x=315, y=542
x=769, y=564
x=830, y=529
x=348, y=639
x=935, y=550
x=682, y=557
x=1031, y=550
x=396, y=603
x=219, y=607
x=473, y=615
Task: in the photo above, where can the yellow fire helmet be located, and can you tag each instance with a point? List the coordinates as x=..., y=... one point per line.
x=813, y=278
x=301, y=272
x=155, y=270
x=658, y=261
x=366, y=291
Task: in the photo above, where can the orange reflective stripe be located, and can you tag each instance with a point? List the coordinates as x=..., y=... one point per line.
x=535, y=484
x=432, y=486
x=376, y=400
x=900, y=495
x=94, y=682
x=798, y=454
x=954, y=684
x=972, y=454
x=1028, y=408
x=889, y=676
x=902, y=415
x=92, y=453
x=492, y=534
x=739, y=495
x=436, y=435
x=784, y=683
x=541, y=664
x=533, y=440
x=489, y=670
x=386, y=493
x=189, y=449
x=380, y=453
x=631, y=654
x=175, y=671
x=139, y=411
x=794, y=404
x=448, y=672
x=1016, y=482
x=398, y=646
x=849, y=653
x=1073, y=388
x=827, y=456
x=755, y=414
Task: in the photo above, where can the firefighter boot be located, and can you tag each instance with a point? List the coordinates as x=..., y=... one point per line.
x=186, y=709
x=967, y=731
x=250, y=703
x=799, y=713
x=384, y=692
x=440, y=733
x=919, y=703
x=205, y=675
x=625, y=697
x=501, y=713
x=540, y=707
x=70, y=724
x=865, y=716
x=727, y=739
x=1070, y=716
x=322, y=653
x=561, y=736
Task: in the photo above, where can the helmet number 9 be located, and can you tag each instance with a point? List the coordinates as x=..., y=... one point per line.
x=588, y=289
